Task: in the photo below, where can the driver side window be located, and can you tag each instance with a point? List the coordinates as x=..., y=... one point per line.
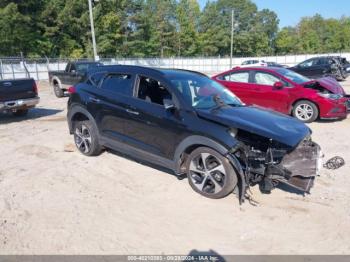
x=265, y=79
x=152, y=90
x=307, y=63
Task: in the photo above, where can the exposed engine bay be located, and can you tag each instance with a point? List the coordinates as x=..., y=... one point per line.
x=268, y=163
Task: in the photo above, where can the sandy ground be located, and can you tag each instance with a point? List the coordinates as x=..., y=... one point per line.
x=56, y=201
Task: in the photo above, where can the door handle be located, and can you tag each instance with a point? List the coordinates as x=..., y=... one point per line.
x=94, y=99
x=132, y=112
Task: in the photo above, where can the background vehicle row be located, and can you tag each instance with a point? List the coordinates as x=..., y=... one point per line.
x=287, y=92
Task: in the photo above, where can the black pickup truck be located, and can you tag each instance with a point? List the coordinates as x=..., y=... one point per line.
x=73, y=74
x=18, y=95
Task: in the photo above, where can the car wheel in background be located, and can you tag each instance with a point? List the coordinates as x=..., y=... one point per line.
x=58, y=91
x=305, y=111
x=210, y=173
x=86, y=138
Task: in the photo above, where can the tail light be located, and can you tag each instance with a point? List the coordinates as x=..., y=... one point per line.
x=71, y=90
x=35, y=88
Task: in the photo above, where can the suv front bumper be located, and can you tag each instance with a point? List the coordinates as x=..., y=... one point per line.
x=299, y=168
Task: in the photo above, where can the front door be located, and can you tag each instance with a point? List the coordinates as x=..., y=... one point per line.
x=308, y=68
x=267, y=95
x=150, y=126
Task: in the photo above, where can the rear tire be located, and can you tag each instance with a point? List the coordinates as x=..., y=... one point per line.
x=86, y=138
x=305, y=111
x=210, y=173
x=20, y=112
x=58, y=90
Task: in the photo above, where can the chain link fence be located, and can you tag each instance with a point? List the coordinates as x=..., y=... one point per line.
x=38, y=68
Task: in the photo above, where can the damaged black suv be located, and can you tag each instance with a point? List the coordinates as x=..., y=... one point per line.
x=190, y=124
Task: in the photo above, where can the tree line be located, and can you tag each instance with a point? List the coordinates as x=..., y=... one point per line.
x=160, y=28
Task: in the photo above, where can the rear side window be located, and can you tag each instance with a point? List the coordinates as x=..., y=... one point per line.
x=240, y=77
x=96, y=78
x=308, y=63
x=118, y=83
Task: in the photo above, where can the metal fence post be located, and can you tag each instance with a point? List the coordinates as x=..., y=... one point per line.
x=1, y=69
x=13, y=71
x=47, y=66
x=37, y=73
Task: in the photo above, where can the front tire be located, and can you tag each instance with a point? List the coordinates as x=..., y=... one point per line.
x=305, y=111
x=86, y=138
x=210, y=173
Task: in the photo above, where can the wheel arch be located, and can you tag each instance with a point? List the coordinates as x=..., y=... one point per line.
x=54, y=80
x=303, y=99
x=192, y=142
x=79, y=113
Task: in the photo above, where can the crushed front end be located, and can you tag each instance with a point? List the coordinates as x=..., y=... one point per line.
x=269, y=163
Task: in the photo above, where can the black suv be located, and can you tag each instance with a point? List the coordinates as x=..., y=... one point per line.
x=318, y=67
x=190, y=124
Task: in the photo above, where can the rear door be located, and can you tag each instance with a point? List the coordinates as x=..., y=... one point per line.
x=267, y=95
x=238, y=83
x=109, y=102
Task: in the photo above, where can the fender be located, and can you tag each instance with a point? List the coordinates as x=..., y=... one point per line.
x=200, y=140
x=74, y=109
x=196, y=140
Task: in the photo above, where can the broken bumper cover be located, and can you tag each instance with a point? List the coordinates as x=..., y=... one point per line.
x=298, y=168
x=19, y=104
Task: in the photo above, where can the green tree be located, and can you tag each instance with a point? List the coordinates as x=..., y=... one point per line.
x=187, y=15
x=15, y=32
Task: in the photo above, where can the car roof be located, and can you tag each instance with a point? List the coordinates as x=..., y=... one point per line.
x=262, y=68
x=86, y=62
x=143, y=69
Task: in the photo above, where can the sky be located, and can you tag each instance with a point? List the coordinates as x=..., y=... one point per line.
x=290, y=11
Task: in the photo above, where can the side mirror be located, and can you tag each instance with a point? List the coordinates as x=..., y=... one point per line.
x=278, y=85
x=168, y=104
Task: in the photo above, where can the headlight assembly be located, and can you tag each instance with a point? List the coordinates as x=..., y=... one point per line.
x=331, y=96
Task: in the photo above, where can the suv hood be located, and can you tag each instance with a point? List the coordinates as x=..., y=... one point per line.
x=328, y=83
x=266, y=123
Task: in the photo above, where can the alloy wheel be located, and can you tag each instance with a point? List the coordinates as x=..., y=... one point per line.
x=207, y=173
x=56, y=89
x=82, y=138
x=304, y=112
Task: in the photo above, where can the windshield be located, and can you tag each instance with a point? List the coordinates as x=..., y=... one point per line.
x=291, y=75
x=203, y=93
